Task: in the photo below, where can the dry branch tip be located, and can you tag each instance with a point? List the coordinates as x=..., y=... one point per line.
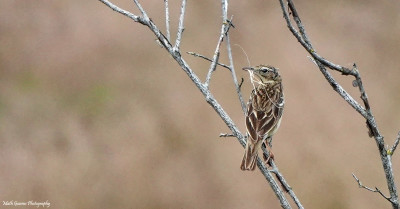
x=226, y=135
x=396, y=143
x=370, y=189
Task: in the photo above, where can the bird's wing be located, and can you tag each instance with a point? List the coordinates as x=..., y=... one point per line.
x=265, y=112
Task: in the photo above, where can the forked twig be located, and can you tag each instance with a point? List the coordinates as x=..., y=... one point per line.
x=396, y=143
x=141, y=9
x=365, y=111
x=224, y=30
x=180, y=26
x=369, y=189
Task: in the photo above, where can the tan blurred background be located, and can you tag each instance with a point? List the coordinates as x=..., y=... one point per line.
x=94, y=114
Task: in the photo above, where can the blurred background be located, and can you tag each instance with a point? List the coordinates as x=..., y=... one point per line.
x=95, y=114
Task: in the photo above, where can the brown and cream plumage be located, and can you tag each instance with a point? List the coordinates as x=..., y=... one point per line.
x=264, y=111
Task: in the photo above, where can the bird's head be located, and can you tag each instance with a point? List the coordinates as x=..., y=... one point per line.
x=264, y=74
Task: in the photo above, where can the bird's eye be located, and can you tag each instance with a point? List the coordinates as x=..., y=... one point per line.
x=264, y=70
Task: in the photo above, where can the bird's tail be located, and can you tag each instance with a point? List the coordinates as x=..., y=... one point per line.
x=250, y=156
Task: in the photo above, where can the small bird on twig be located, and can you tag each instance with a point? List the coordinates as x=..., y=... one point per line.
x=264, y=112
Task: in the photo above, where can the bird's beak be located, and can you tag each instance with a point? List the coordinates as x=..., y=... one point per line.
x=248, y=68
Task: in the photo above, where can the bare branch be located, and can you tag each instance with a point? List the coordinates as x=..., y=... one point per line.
x=167, y=20
x=286, y=186
x=121, y=11
x=322, y=63
x=281, y=179
x=230, y=56
x=296, y=18
x=208, y=59
x=212, y=67
x=365, y=112
x=278, y=191
x=304, y=40
x=226, y=135
x=370, y=189
x=396, y=142
x=175, y=53
x=180, y=26
x=141, y=9
x=224, y=30
x=339, y=89
x=358, y=80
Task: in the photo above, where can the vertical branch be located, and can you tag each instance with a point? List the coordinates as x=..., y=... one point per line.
x=230, y=57
x=233, y=72
x=224, y=30
x=296, y=18
x=167, y=20
x=213, y=65
x=141, y=9
x=180, y=26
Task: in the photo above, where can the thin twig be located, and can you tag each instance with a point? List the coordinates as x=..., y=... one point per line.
x=368, y=188
x=224, y=29
x=360, y=86
x=241, y=83
x=274, y=185
x=208, y=59
x=167, y=20
x=371, y=124
x=121, y=11
x=226, y=135
x=305, y=42
x=141, y=9
x=180, y=26
x=296, y=18
x=396, y=142
x=230, y=56
x=339, y=89
x=213, y=66
x=282, y=180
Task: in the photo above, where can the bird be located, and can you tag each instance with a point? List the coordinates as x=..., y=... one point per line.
x=264, y=112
